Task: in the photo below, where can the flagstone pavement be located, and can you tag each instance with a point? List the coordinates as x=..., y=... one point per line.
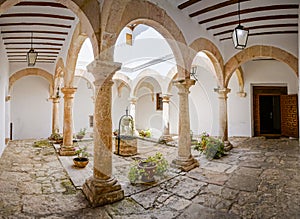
x=259, y=178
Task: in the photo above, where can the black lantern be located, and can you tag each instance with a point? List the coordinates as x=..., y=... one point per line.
x=31, y=55
x=239, y=34
x=193, y=72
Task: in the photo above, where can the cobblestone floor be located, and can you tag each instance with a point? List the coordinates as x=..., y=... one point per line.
x=259, y=178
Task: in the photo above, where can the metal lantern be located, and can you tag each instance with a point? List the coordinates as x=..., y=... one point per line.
x=239, y=34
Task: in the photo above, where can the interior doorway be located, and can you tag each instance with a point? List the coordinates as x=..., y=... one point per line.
x=275, y=113
x=270, y=118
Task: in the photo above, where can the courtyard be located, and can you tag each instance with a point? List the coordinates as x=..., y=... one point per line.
x=259, y=178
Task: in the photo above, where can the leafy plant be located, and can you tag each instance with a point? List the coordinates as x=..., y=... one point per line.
x=82, y=152
x=213, y=148
x=55, y=137
x=139, y=170
x=82, y=132
x=145, y=133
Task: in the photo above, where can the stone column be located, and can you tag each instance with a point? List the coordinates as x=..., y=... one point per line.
x=55, y=115
x=184, y=161
x=223, y=121
x=67, y=147
x=166, y=118
x=132, y=106
x=102, y=188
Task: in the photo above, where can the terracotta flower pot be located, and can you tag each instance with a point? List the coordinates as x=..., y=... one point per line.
x=80, y=162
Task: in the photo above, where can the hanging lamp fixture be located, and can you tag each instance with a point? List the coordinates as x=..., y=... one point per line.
x=31, y=54
x=239, y=34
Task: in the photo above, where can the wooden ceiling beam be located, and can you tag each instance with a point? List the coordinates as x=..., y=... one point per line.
x=215, y=7
x=43, y=4
x=34, y=43
x=253, y=19
x=266, y=33
x=38, y=38
x=35, y=31
x=40, y=52
x=35, y=24
x=259, y=27
x=36, y=48
x=250, y=10
x=25, y=54
x=187, y=4
x=55, y=16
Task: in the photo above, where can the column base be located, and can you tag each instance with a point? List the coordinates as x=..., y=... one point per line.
x=101, y=192
x=227, y=146
x=66, y=151
x=165, y=139
x=185, y=164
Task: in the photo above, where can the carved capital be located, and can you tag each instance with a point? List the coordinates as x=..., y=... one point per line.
x=102, y=70
x=184, y=85
x=222, y=92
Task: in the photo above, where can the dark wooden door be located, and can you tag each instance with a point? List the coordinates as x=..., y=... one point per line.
x=289, y=115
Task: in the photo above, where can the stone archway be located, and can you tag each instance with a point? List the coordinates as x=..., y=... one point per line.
x=259, y=52
x=32, y=71
x=212, y=51
x=141, y=12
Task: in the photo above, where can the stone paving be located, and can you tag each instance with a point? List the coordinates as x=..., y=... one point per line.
x=259, y=178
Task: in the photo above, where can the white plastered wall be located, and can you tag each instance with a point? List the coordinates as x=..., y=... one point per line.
x=266, y=73
x=31, y=111
x=4, y=106
x=83, y=105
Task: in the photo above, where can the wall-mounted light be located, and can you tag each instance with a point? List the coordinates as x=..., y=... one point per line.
x=57, y=93
x=239, y=34
x=31, y=55
x=193, y=72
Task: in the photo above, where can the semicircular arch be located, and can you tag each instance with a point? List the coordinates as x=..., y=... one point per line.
x=213, y=53
x=29, y=72
x=143, y=12
x=259, y=51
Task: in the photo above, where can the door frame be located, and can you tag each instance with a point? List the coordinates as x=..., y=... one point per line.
x=263, y=89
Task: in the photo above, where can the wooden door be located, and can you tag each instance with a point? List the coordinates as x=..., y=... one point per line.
x=289, y=115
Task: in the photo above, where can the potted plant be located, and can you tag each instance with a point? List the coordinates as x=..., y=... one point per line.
x=145, y=133
x=81, y=134
x=82, y=157
x=213, y=148
x=147, y=170
x=56, y=137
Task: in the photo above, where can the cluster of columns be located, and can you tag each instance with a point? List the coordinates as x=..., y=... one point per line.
x=102, y=188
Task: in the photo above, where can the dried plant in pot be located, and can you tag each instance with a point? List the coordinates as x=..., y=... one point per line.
x=82, y=157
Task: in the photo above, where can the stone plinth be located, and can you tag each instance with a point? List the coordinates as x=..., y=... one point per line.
x=127, y=146
x=101, y=192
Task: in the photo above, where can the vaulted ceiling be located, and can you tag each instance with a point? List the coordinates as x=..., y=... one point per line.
x=46, y=25
x=260, y=17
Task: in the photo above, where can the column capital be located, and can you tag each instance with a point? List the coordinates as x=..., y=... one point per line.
x=184, y=85
x=133, y=100
x=102, y=69
x=222, y=92
x=54, y=99
x=7, y=98
x=166, y=98
x=68, y=91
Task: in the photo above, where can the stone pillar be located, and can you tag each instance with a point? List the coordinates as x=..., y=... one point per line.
x=102, y=188
x=67, y=147
x=166, y=118
x=223, y=121
x=55, y=115
x=132, y=106
x=184, y=161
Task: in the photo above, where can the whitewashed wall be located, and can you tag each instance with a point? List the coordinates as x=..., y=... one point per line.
x=119, y=104
x=4, y=107
x=83, y=105
x=30, y=109
x=256, y=73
